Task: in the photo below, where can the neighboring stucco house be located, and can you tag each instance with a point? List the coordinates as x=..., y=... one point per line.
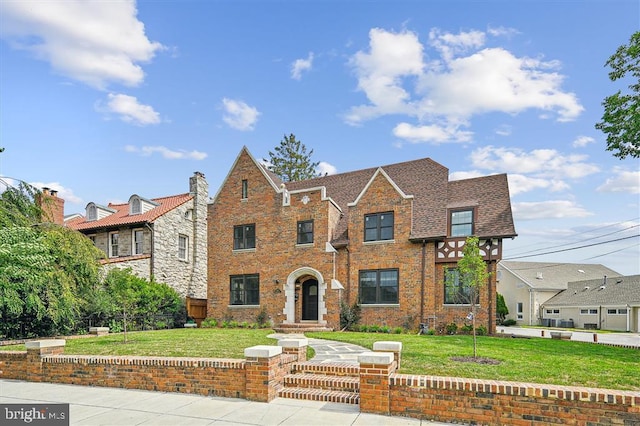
x=163, y=238
x=527, y=285
x=611, y=303
x=383, y=237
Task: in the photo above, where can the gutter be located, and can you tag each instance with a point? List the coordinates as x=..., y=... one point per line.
x=151, y=260
x=422, y=278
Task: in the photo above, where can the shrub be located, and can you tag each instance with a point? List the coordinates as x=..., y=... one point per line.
x=374, y=328
x=466, y=329
x=509, y=322
x=384, y=329
x=209, y=323
x=349, y=315
x=262, y=318
x=481, y=331
x=398, y=330
x=451, y=328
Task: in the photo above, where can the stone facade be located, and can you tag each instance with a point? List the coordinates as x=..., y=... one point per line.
x=167, y=221
x=304, y=283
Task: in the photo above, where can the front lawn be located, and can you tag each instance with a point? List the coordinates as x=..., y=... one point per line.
x=523, y=360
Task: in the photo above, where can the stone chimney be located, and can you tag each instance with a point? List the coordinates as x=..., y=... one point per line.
x=52, y=206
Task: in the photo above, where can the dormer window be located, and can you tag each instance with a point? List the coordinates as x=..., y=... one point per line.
x=139, y=205
x=135, y=206
x=92, y=213
x=461, y=223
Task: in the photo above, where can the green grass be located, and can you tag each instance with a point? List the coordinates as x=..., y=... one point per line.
x=523, y=360
x=201, y=343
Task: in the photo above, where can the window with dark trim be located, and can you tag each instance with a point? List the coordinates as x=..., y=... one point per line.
x=244, y=236
x=379, y=286
x=245, y=189
x=244, y=289
x=183, y=247
x=113, y=244
x=305, y=232
x=461, y=223
x=378, y=226
x=138, y=241
x=456, y=291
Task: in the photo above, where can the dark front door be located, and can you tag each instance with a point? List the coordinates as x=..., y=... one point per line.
x=310, y=300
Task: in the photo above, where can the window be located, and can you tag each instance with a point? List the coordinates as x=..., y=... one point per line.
x=456, y=292
x=553, y=311
x=305, y=232
x=183, y=247
x=93, y=239
x=461, y=223
x=245, y=189
x=113, y=244
x=92, y=213
x=138, y=241
x=622, y=311
x=519, y=310
x=588, y=312
x=245, y=289
x=379, y=286
x=378, y=226
x=135, y=205
x=244, y=237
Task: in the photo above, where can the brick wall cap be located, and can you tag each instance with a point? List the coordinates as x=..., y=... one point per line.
x=262, y=351
x=50, y=343
x=384, y=358
x=98, y=329
x=293, y=343
x=387, y=346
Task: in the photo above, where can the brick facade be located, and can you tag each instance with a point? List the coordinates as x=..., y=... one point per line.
x=419, y=197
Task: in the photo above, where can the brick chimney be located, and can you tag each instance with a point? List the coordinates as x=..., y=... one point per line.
x=52, y=206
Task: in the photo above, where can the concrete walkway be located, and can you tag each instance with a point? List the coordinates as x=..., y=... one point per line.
x=124, y=407
x=619, y=339
x=329, y=350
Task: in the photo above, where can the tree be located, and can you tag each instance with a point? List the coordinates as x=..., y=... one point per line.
x=291, y=162
x=501, y=307
x=466, y=282
x=621, y=118
x=18, y=206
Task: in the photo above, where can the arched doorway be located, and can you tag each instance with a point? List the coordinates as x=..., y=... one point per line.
x=310, y=300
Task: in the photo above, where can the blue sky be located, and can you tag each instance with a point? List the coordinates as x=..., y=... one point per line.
x=101, y=100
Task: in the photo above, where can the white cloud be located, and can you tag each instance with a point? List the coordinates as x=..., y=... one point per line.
x=504, y=130
x=239, y=115
x=300, y=65
x=465, y=175
x=582, y=141
x=543, y=163
x=623, y=181
x=431, y=133
x=325, y=168
x=466, y=79
x=65, y=193
x=129, y=109
x=560, y=209
x=94, y=42
x=166, y=153
x=520, y=183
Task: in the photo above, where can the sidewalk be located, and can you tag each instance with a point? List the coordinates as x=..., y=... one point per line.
x=123, y=407
x=621, y=339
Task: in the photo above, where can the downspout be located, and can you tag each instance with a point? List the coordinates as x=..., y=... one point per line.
x=422, y=278
x=628, y=318
x=348, y=275
x=492, y=322
x=151, y=259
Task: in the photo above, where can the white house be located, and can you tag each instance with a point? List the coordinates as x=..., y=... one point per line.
x=527, y=285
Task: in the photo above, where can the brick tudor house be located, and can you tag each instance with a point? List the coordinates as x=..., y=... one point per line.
x=383, y=237
x=162, y=238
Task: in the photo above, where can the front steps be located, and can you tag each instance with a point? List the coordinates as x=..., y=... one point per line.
x=330, y=382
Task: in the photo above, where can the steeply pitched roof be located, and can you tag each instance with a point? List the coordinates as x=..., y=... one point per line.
x=555, y=276
x=617, y=291
x=122, y=216
x=427, y=181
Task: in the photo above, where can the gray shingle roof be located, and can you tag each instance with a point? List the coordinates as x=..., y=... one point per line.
x=555, y=276
x=618, y=291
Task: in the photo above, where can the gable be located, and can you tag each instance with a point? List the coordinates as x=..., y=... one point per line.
x=379, y=174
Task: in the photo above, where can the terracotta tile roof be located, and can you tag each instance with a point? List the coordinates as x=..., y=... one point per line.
x=122, y=216
x=433, y=194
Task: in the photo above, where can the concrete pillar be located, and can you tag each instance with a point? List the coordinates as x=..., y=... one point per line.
x=262, y=371
x=375, y=369
x=297, y=347
x=394, y=347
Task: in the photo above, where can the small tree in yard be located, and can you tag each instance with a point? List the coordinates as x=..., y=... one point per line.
x=466, y=282
x=501, y=307
x=291, y=162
